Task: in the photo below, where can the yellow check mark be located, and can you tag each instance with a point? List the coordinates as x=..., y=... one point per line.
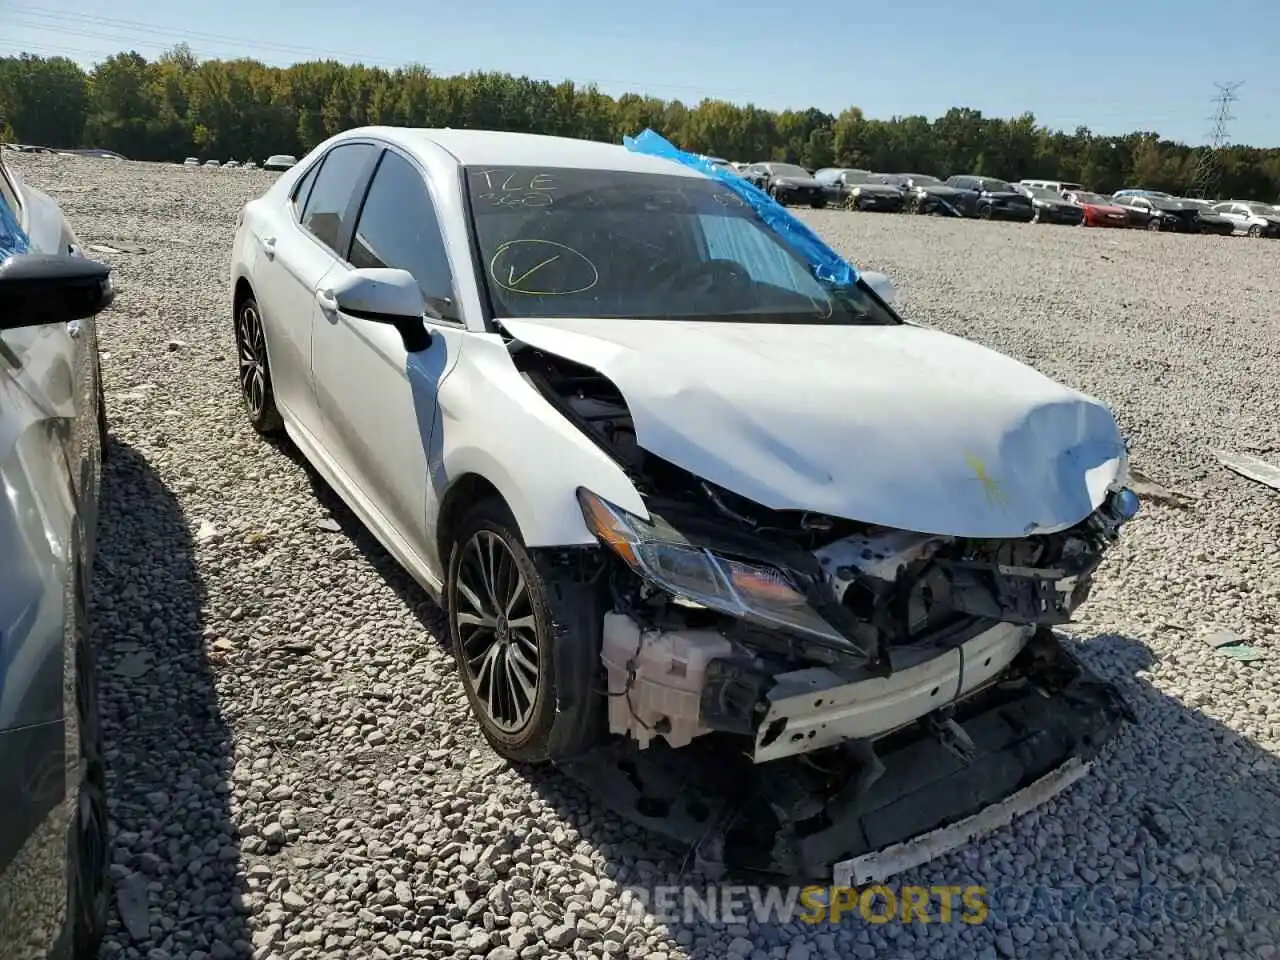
x=514, y=281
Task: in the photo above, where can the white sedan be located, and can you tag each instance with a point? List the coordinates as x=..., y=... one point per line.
x=670, y=475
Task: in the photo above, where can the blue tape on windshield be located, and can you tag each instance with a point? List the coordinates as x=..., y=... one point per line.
x=826, y=263
x=12, y=237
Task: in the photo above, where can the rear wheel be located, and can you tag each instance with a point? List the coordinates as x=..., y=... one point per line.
x=510, y=650
x=255, y=372
x=984, y=213
x=90, y=858
x=1155, y=224
x=1255, y=230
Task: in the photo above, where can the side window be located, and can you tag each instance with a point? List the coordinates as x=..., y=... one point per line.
x=302, y=189
x=331, y=193
x=398, y=227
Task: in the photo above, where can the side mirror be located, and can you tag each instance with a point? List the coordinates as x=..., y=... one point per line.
x=40, y=288
x=881, y=284
x=383, y=295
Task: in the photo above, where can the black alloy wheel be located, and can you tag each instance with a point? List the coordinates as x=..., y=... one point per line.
x=255, y=373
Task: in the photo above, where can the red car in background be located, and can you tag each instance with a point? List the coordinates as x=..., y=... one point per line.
x=1099, y=211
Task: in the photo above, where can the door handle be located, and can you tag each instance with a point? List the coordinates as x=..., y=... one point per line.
x=327, y=300
x=269, y=247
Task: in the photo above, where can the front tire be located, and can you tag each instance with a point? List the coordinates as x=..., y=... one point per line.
x=1255, y=231
x=1155, y=224
x=984, y=213
x=255, y=372
x=509, y=647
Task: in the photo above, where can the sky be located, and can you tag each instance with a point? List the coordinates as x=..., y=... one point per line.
x=1115, y=68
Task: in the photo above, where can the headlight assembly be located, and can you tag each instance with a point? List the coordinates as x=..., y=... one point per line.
x=763, y=594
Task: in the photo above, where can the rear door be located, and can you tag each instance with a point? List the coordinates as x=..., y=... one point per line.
x=298, y=246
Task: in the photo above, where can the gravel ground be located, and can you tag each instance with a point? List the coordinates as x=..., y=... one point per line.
x=293, y=769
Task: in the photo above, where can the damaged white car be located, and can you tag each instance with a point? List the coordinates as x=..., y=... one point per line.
x=681, y=492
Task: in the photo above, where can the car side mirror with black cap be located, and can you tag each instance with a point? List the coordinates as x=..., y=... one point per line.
x=42, y=288
x=381, y=295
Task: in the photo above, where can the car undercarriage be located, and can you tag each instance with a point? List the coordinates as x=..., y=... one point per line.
x=792, y=691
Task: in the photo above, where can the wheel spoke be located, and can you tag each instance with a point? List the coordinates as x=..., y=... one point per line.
x=517, y=594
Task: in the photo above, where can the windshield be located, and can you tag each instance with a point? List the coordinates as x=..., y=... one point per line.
x=1262, y=210
x=1094, y=198
x=857, y=176
x=559, y=242
x=996, y=186
x=1043, y=193
x=788, y=170
x=920, y=179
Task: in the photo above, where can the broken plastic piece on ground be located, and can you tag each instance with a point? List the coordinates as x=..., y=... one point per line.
x=801, y=816
x=883, y=864
x=1254, y=468
x=1148, y=489
x=1232, y=645
x=1223, y=638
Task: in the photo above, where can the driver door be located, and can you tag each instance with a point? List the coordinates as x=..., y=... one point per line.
x=377, y=400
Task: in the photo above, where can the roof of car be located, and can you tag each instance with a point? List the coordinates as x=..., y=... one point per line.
x=493, y=147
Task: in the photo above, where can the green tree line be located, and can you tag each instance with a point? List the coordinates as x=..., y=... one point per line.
x=176, y=106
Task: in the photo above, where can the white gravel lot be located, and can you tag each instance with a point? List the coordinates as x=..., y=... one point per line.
x=293, y=768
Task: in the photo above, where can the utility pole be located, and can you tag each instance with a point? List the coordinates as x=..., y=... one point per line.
x=1208, y=176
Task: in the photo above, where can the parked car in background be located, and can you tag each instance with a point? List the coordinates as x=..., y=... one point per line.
x=1160, y=213
x=1058, y=187
x=231, y=164
x=1250, y=217
x=787, y=183
x=740, y=463
x=926, y=194
x=1049, y=206
x=53, y=813
x=1099, y=210
x=1210, y=221
x=279, y=161
x=1139, y=192
x=990, y=199
x=191, y=162
x=859, y=190
x=212, y=163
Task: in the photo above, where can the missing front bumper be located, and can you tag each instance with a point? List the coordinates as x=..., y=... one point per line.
x=1046, y=714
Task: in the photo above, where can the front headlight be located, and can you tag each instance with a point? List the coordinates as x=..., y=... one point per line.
x=750, y=591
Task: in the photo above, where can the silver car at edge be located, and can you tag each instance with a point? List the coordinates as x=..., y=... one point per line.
x=53, y=828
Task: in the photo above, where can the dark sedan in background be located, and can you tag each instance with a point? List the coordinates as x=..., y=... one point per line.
x=990, y=199
x=1051, y=207
x=53, y=813
x=1166, y=213
x=859, y=189
x=786, y=183
x=925, y=194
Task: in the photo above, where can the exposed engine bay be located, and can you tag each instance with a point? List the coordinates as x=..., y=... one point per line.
x=824, y=647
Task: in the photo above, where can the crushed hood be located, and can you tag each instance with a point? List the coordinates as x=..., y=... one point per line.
x=899, y=426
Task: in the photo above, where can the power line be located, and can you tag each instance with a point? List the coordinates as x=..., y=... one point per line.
x=1207, y=179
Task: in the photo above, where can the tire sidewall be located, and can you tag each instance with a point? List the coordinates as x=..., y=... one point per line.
x=530, y=744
